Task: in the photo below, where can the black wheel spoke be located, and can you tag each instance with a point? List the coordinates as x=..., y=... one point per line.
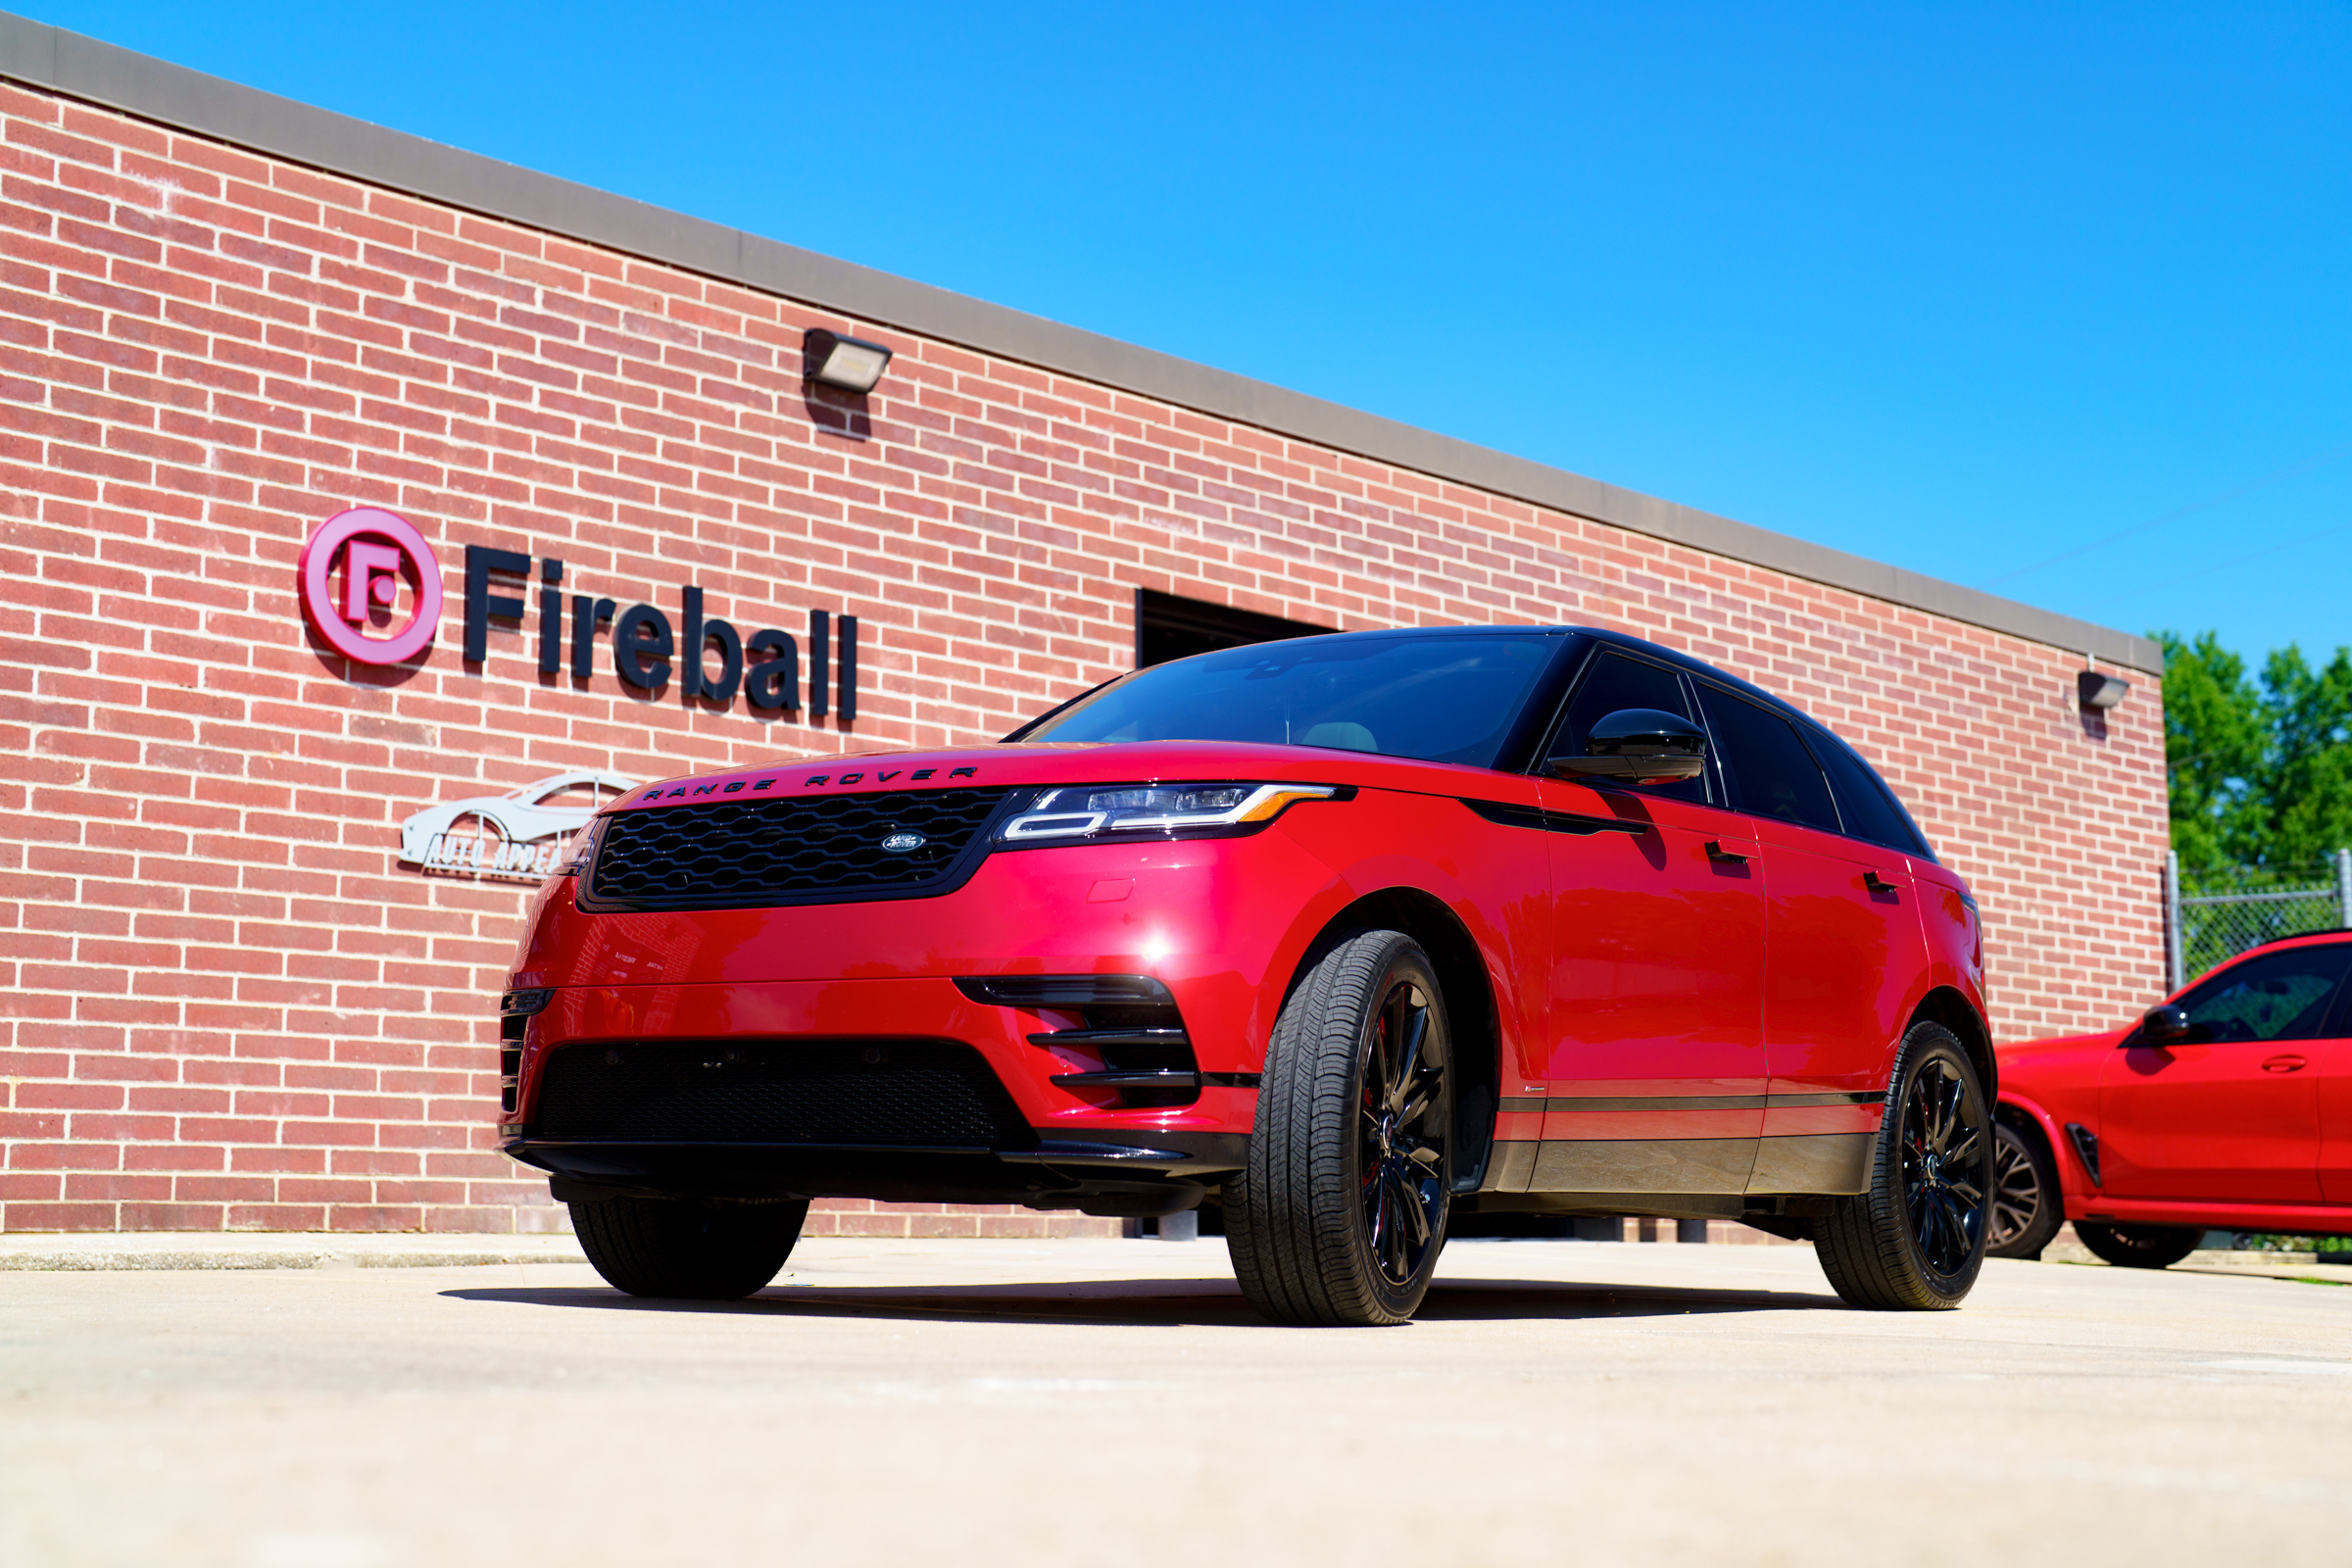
x=1402, y=1161
x=1416, y=1032
x=1948, y=1168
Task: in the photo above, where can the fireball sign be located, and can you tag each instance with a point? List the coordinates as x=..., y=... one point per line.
x=374, y=548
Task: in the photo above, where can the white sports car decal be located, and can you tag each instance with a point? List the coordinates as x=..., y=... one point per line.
x=519, y=835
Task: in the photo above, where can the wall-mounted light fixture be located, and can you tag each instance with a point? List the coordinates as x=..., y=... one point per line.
x=851, y=363
x=2100, y=692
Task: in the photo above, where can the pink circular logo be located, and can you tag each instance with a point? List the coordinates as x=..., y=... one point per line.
x=373, y=547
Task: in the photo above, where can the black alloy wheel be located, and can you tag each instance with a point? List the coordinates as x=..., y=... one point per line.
x=1916, y=1239
x=2027, y=1207
x=1947, y=1177
x=1340, y=1215
x=1398, y=1151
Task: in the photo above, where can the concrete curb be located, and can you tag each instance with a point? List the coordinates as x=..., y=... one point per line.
x=2213, y=1260
x=206, y=1250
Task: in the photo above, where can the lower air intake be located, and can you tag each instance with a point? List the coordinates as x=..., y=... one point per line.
x=910, y=1093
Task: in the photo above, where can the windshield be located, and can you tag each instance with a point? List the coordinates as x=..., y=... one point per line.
x=1448, y=699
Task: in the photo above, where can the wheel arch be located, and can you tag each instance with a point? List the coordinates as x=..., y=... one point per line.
x=1473, y=1014
x=1945, y=1004
x=2027, y=1122
x=2029, y=1119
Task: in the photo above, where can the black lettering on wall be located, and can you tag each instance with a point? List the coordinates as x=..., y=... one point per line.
x=587, y=614
x=776, y=683
x=641, y=647
x=820, y=635
x=481, y=604
x=699, y=634
x=848, y=702
x=551, y=616
x=730, y=660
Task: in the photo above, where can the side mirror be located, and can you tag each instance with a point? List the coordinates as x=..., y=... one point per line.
x=1638, y=745
x=2162, y=1025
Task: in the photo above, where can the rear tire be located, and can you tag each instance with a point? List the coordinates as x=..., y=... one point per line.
x=1916, y=1239
x=688, y=1249
x=1340, y=1215
x=2027, y=1205
x=2139, y=1246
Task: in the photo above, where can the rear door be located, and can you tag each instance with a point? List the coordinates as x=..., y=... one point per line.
x=1656, y=1073
x=2232, y=1115
x=1843, y=944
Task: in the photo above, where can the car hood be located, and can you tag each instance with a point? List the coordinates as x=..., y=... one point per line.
x=1093, y=763
x=2026, y=1053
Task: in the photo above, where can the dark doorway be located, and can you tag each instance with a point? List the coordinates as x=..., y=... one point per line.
x=1169, y=627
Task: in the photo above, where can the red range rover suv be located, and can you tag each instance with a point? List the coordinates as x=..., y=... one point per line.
x=1339, y=936
x=2228, y=1106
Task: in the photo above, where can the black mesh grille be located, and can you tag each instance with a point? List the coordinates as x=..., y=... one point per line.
x=825, y=849
x=917, y=1094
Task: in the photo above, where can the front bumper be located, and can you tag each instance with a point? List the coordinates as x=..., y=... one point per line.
x=1069, y=1148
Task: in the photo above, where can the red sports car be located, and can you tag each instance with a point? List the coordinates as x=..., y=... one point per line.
x=1339, y=936
x=2226, y=1107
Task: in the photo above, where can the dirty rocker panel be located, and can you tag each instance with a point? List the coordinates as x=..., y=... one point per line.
x=1830, y=1165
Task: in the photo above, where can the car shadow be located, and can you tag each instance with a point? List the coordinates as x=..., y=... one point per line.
x=1149, y=1303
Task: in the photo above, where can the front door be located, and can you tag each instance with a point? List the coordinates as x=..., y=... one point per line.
x=1656, y=1071
x=2230, y=1114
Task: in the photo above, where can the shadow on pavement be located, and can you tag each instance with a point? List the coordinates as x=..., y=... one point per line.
x=1164, y=1303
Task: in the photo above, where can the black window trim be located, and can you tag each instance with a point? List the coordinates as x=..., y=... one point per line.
x=1597, y=649
x=2336, y=1020
x=1815, y=734
x=1796, y=721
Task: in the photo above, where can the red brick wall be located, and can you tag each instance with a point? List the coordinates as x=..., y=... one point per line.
x=223, y=1004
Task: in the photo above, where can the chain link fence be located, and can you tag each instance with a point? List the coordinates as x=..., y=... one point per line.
x=2216, y=915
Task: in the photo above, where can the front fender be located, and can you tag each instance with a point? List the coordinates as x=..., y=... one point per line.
x=2073, y=1181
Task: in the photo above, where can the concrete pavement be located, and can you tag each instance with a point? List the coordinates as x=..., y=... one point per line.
x=1113, y=1403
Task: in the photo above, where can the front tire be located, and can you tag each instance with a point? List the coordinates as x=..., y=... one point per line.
x=2027, y=1205
x=2139, y=1246
x=688, y=1249
x=1916, y=1239
x=1341, y=1213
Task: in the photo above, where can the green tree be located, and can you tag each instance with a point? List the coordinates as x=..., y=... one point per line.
x=2260, y=772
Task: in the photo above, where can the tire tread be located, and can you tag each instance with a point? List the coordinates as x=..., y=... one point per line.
x=1291, y=1224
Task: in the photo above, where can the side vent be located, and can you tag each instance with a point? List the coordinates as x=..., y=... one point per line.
x=2086, y=1144
x=1131, y=1027
x=514, y=1011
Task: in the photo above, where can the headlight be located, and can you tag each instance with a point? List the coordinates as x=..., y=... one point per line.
x=574, y=856
x=1157, y=810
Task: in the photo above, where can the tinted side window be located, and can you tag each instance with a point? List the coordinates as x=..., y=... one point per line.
x=1863, y=797
x=1615, y=681
x=2282, y=995
x=1771, y=772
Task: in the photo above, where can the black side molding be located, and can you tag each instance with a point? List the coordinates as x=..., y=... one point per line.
x=1511, y=816
x=1065, y=990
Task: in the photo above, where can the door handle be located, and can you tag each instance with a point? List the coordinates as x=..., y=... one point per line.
x=1722, y=855
x=1876, y=884
x=2286, y=1063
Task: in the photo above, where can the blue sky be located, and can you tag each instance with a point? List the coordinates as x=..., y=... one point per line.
x=1960, y=288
